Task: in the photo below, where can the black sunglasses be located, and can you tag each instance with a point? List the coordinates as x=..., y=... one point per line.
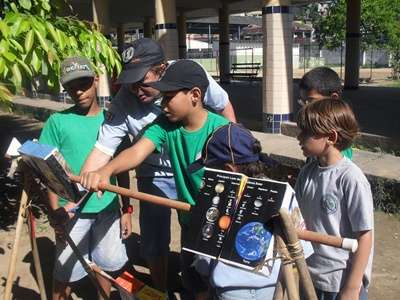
x=81, y=84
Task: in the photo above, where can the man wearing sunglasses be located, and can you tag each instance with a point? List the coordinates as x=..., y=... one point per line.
x=97, y=229
x=135, y=106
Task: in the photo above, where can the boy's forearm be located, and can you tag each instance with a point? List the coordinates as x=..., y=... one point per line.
x=53, y=200
x=359, y=260
x=228, y=112
x=95, y=160
x=130, y=158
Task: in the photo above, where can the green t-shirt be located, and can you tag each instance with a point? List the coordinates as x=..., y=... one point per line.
x=74, y=136
x=184, y=148
x=348, y=153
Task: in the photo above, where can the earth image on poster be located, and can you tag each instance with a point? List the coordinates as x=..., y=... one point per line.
x=252, y=241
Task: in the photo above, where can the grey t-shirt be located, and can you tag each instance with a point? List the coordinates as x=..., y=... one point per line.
x=128, y=115
x=334, y=200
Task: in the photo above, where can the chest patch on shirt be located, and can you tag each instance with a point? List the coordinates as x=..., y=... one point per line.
x=329, y=204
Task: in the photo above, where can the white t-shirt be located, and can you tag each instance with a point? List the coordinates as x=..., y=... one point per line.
x=128, y=115
x=334, y=200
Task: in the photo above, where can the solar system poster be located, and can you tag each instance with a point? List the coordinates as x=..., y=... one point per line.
x=212, y=215
x=230, y=219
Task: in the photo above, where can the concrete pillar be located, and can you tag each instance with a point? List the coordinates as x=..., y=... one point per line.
x=352, y=66
x=120, y=37
x=182, y=30
x=165, y=29
x=277, y=65
x=101, y=17
x=148, y=27
x=224, y=57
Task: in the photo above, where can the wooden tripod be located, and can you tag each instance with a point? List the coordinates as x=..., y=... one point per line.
x=25, y=214
x=291, y=251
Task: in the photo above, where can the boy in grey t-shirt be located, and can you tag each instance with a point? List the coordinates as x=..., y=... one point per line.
x=335, y=198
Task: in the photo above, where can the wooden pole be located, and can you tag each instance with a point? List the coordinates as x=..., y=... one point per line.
x=141, y=196
x=35, y=253
x=14, y=251
x=288, y=278
x=296, y=252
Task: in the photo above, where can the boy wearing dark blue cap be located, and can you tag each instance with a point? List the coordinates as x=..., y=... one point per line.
x=233, y=148
x=184, y=127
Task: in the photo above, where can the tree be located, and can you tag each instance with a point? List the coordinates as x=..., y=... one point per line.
x=34, y=41
x=380, y=25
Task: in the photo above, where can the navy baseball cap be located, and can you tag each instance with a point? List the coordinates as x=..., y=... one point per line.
x=182, y=74
x=138, y=58
x=231, y=143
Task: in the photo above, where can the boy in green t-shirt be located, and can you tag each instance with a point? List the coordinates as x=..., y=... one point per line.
x=321, y=83
x=96, y=230
x=184, y=127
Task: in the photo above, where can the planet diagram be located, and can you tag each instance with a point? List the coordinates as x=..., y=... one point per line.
x=252, y=241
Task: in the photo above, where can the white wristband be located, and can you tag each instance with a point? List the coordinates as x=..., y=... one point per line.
x=350, y=244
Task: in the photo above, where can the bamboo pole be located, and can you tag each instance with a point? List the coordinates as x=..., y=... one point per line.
x=14, y=251
x=35, y=254
x=141, y=196
x=289, y=281
x=296, y=252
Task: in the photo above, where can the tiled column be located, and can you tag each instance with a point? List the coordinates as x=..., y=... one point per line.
x=101, y=17
x=165, y=28
x=148, y=27
x=224, y=63
x=120, y=37
x=277, y=65
x=352, y=67
x=182, y=30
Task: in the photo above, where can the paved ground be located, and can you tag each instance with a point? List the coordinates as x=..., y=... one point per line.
x=386, y=281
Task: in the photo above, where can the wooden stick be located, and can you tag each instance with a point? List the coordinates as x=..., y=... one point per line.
x=296, y=252
x=14, y=251
x=286, y=268
x=329, y=240
x=35, y=253
x=141, y=196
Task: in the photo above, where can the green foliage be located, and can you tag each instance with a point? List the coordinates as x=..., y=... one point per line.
x=34, y=41
x=380, y=26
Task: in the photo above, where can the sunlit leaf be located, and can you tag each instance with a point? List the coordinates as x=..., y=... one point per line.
x=25, y=67
x=4, y=29
x=42, y=41
x=17, y=45
x=17, y=77
x=23, y=27
x=29, y=39
x=36, y=63
x=9, y=56
x=25, y=4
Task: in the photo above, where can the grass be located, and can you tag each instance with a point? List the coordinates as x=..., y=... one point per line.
x=395, y=83
x=390, y=83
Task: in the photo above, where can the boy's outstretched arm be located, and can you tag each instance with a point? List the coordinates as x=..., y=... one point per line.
x=228, y=112
x=126, y=160
x=95, y=160
x=359, y=261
